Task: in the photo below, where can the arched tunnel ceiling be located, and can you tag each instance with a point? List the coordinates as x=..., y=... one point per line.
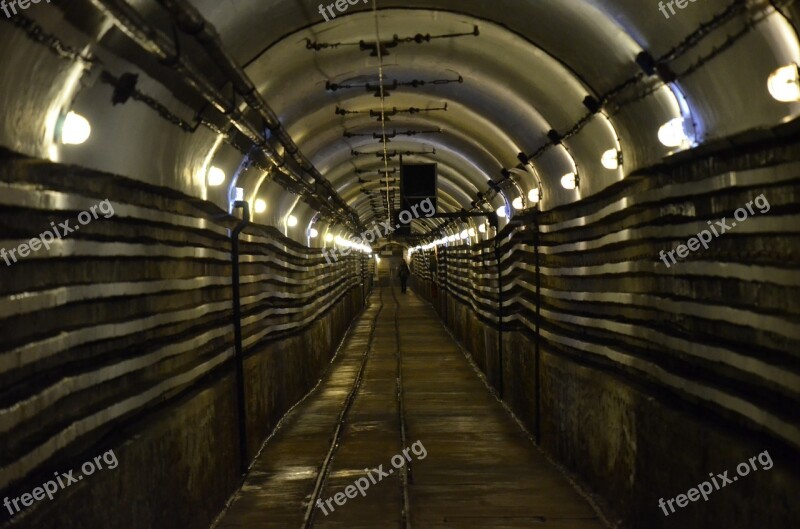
x=527, y=72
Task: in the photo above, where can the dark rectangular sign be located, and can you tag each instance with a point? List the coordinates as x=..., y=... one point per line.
x=418, y=182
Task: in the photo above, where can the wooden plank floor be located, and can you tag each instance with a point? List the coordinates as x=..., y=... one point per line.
x=471, y=466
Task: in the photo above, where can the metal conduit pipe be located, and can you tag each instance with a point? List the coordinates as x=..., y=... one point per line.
x=191, y=22
x=151, y=40
x=154, y=42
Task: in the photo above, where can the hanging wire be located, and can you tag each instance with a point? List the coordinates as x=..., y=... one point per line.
x=389, y=202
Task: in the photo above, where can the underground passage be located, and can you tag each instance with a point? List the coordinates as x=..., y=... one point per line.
x=379, y=264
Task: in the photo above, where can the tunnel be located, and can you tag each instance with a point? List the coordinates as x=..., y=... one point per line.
x=376, y=264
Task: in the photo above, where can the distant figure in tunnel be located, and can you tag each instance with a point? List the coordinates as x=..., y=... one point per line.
x=403, y=274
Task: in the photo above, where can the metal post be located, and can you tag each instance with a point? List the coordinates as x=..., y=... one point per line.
x=537, y=354
x=499, y=318
x=237, y=330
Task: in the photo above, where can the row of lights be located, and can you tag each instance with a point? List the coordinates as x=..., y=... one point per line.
x=341, y=241
x=783, y=85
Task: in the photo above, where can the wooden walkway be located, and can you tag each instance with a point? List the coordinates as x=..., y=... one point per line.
x=400, y=382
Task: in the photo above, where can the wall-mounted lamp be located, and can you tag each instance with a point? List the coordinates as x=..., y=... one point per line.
x=672, y=133
x=611, y=159
x=74, y=129
x=569, y=181
x=216, y=176
x=784, y=84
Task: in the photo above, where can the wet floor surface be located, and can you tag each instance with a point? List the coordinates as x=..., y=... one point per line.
x=467, y=464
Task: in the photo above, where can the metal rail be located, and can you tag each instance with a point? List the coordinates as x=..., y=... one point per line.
x=324, y=472
x=406, y=475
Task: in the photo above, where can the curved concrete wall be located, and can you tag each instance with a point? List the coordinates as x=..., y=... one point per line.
x=643, y=379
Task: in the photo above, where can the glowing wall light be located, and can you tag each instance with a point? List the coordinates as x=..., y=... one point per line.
x=672, y=133
x=216, y=176
x=313, y=233
x=610, y=159
x=517, y=203
x=464, y=234
x=569, y=181
x=260, y=206
x=533, y=195
x=75, y=129
x=291, y=221
x=482, y=228
x=238, y=194
x=328, y=237
x=502, y=212
x=784, y=84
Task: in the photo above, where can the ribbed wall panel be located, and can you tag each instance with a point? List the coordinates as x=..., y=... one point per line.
x=133, y=310
x=716, y=335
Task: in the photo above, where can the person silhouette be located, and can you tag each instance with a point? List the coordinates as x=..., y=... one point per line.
x=403, y=274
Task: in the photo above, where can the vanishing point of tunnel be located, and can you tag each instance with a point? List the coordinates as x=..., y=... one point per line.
x=383, y=264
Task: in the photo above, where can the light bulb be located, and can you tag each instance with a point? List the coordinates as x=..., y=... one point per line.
x=569, y=181
x=291, y=221
x=328, y=237
x=261, y=206
x=216, y=176
x=533, y=195
x=471, y=232
x=482, y=228
x=464, y=234
x=784, y=84
x=501, y=212
x=75, y=129
x=313, y=233
x=610, y=159
x=671, y=133
x=517, y=203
